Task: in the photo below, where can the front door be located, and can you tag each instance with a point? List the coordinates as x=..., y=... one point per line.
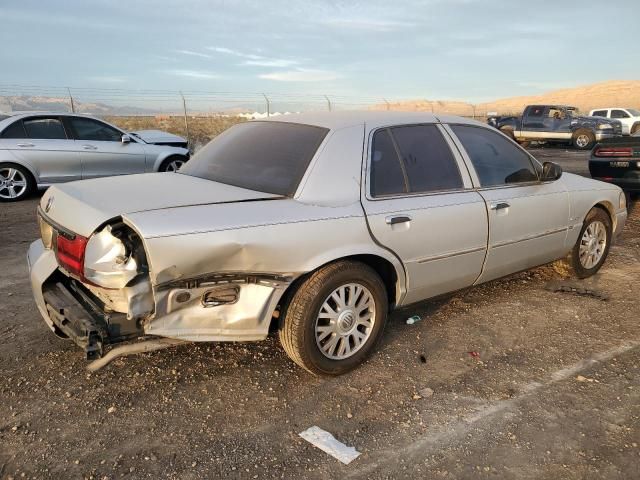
x=528, y=219
x=102, y=151
x=419, y=204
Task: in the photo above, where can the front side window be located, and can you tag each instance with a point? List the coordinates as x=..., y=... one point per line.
x=267, y=156
x=556, y=113
x=535, y=111
x=15, y=130
x=619, y=114
x=92, y=130
x=496, y=160
x=44, y=129
x=599, y=113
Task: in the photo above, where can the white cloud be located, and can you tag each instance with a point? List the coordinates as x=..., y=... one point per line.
x=301, y=75
x=192, y=53
x=270, y=62
x=368, y=24
x=229, y=51
x=193, y=74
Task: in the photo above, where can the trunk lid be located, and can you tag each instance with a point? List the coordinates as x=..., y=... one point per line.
x=84, y=205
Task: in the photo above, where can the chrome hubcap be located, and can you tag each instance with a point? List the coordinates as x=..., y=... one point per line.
x=345, y=321
x=582, y=140
x=592, y=244
x=174, y=166
x=12, y=183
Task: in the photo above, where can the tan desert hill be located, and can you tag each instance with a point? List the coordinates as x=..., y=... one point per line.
x=620, y=93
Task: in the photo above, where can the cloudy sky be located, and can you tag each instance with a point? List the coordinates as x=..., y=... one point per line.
x=472, y=50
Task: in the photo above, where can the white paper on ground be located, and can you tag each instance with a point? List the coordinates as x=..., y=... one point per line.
x=328, y=443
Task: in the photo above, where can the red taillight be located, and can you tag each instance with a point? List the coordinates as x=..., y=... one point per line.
x=614, y=152
x=70, y=254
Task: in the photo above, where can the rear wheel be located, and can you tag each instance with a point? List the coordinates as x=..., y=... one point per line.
x=592, y=247
x=172, y=164
x=508, y=132
x=335, y=318
x=583, y=139
x=635, y=128
x=16, y=182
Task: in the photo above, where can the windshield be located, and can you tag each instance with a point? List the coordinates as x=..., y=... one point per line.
x=267, y=156
x=634, y=112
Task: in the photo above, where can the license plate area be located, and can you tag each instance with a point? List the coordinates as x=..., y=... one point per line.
x=619, y=164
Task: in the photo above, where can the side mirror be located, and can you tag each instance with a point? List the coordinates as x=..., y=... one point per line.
x=551, y=171
x=126, y=138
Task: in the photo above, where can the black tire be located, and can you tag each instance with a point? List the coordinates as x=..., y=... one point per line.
x=596, y=214
x=168, y=164
x=583, y=139
x=297, y=330
x=524, y=143
x=634, y=128
x=8, y=185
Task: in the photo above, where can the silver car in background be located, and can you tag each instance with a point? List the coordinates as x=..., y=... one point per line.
x=41, y=149
x=317, y=226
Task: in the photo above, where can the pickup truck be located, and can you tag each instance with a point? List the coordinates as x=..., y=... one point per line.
x=559, y=124
x=628, y=117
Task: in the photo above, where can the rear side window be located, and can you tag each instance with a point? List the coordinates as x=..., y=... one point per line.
x=387, y=177
x=15, y=130
x=496, y=160
x=427, y=159
x=599, y=113
x=619, y=114
x=44, y=128
x=88, y=129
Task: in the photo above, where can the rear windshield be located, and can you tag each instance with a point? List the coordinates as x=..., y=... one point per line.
x=267, y=157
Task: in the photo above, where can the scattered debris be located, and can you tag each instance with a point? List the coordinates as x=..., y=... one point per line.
x=328, y=444
x=570, y=287
x=111, y=409
x=423, y=359
x=474, y=354
x=426, y=392
x=413, y=319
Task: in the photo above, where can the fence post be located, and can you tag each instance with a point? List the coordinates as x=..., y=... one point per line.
x=388, y=104
x=474, y=111
x=268, y=105
x=73, y=107
x=186, y=120
x=328, y=102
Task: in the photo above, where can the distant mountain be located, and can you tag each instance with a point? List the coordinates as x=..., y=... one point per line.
x=614, y=93
x=53, y=104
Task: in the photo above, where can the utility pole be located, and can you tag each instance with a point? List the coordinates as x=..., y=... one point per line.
x=186, y=120
x=388, y=104
x=328, y=102
x=73, y=107
x=268, y=105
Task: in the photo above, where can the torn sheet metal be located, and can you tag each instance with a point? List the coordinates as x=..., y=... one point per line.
x=328, y=444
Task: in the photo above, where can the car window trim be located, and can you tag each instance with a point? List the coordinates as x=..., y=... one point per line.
x=52, y=117
x=476, y=179
x=69, y=124
x=467, y=182
x=24, y=130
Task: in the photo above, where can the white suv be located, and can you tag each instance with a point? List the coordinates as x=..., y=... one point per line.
x=629, y=117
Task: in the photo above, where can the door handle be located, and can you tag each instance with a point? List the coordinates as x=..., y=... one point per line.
x=394, y=219
x=499, y=206
x=89, y=147
x=26, y=145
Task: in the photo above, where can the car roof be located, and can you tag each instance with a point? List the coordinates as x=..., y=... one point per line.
x=370, y=118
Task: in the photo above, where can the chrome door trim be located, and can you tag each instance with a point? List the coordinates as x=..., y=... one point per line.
x=530, y=237
x=451, y=254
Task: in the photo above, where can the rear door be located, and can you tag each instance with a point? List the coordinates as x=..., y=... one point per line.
x=528, y=219
x=420, y=204
x=43, y=142
x=102, y=151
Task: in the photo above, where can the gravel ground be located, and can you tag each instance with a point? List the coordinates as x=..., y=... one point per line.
x=506, y=380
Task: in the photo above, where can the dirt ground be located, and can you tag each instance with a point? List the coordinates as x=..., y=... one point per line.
x=526, y=383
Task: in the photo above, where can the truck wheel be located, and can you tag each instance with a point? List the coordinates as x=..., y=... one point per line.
x=335, y=318
x=172, y=164
x=592, y=247
x=583, y=139
x=634, y=128
x=524, y=143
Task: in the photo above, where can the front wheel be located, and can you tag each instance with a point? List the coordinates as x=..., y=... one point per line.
x=172, y=164
x=335, y=318
x=592, y=247
x=583, y=139
x=16, y=183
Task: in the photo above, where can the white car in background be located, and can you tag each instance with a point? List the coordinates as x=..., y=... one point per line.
x=628, y=117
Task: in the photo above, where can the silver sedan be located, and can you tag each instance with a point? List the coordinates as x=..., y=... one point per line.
x=317, y=225
x=40, y=149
